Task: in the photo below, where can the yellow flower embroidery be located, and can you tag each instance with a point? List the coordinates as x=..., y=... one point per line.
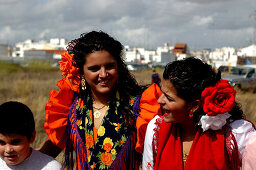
x=108, y=140
x=86, y=121
x=89, y=158
x=117, y=126
x=93, y=165
x=101, y=131
x=113, y=151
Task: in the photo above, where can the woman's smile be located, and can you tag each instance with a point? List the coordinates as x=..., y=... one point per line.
x=173, y=107
x=101, y=72
x=104, y=83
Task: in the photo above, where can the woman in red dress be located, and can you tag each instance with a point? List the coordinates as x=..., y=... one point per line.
x=202, y=126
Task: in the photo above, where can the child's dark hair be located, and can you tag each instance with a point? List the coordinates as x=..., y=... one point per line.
x=190, y=77
x=16, y=118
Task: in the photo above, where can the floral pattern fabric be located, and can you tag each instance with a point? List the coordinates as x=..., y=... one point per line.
x=111, y=136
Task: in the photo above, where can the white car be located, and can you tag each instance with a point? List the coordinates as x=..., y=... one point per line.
x=243, y=77
x=131, y=67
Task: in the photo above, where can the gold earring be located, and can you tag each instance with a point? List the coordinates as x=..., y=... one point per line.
x=83, y=86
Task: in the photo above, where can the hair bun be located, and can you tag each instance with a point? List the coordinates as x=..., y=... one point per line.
x=71, y=45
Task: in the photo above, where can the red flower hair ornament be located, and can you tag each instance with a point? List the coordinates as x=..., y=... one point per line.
x=217, y=101
x=71, y=73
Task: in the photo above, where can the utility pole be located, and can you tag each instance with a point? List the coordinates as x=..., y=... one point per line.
x=254, y=28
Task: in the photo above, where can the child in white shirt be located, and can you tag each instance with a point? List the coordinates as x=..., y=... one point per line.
x=17, y=132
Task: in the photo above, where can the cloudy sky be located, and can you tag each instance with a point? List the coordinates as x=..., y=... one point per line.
x=141, y=23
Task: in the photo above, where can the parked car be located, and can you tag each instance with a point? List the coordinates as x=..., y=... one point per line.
x=225, y=68
x=131, y=67
x=243, y=77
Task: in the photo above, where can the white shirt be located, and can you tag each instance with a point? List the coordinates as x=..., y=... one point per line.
x=36, y=161
x=241, y=129
x=249, y=156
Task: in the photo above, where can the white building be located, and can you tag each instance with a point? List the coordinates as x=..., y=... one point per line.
x=249, y=51
x=133, y=55
x=223, y=56
x=201, y=54
x=164, y=54
x=142, y=56
x=54, y=44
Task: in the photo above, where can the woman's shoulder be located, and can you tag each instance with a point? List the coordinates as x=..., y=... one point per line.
x=152, y=123
x=242, y=131
x=242, y=126
x=147, y=108
x=248, y=161
x=56, y=112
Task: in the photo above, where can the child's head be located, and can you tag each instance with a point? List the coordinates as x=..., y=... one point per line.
x=17, y=132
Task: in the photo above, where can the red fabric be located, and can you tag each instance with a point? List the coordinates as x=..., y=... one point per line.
x=148, y=109
x=56, y=113
x=207, y=151
x=169, y=148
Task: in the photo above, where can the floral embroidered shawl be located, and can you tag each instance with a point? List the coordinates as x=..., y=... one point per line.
x=113, y=136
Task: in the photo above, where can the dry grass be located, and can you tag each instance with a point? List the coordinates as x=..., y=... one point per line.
x=247, y=99
x=144, y=76
x=33, y=88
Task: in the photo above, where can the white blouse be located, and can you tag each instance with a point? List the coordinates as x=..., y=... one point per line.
x=241, y=129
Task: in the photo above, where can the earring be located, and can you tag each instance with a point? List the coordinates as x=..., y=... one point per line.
x=190, y=114
x=83, y=85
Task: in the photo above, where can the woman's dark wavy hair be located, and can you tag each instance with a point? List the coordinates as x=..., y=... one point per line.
x=97, y=41
x=190, y=77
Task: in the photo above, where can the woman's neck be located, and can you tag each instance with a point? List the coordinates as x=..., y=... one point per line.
x=100, y=99
x=188, y=130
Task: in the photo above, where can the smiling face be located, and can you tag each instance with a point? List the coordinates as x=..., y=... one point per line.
x=15, y=148
x=174, y=108
x=101, y=72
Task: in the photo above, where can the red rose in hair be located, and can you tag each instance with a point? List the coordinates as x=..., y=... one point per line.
x=66, y=63
x=70, y=71
x=218, y=99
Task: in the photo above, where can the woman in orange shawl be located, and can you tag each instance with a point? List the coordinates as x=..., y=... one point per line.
x=201, y=126
x=95, y=111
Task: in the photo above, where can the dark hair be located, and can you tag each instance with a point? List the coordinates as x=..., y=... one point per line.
x=93, y=41
x=190, y=77
x=16, y=118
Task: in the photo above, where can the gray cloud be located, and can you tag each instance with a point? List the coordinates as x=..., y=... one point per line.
x=144, y=23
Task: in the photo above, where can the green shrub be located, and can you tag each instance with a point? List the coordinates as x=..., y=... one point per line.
x=9, y=67
x=40, y=66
